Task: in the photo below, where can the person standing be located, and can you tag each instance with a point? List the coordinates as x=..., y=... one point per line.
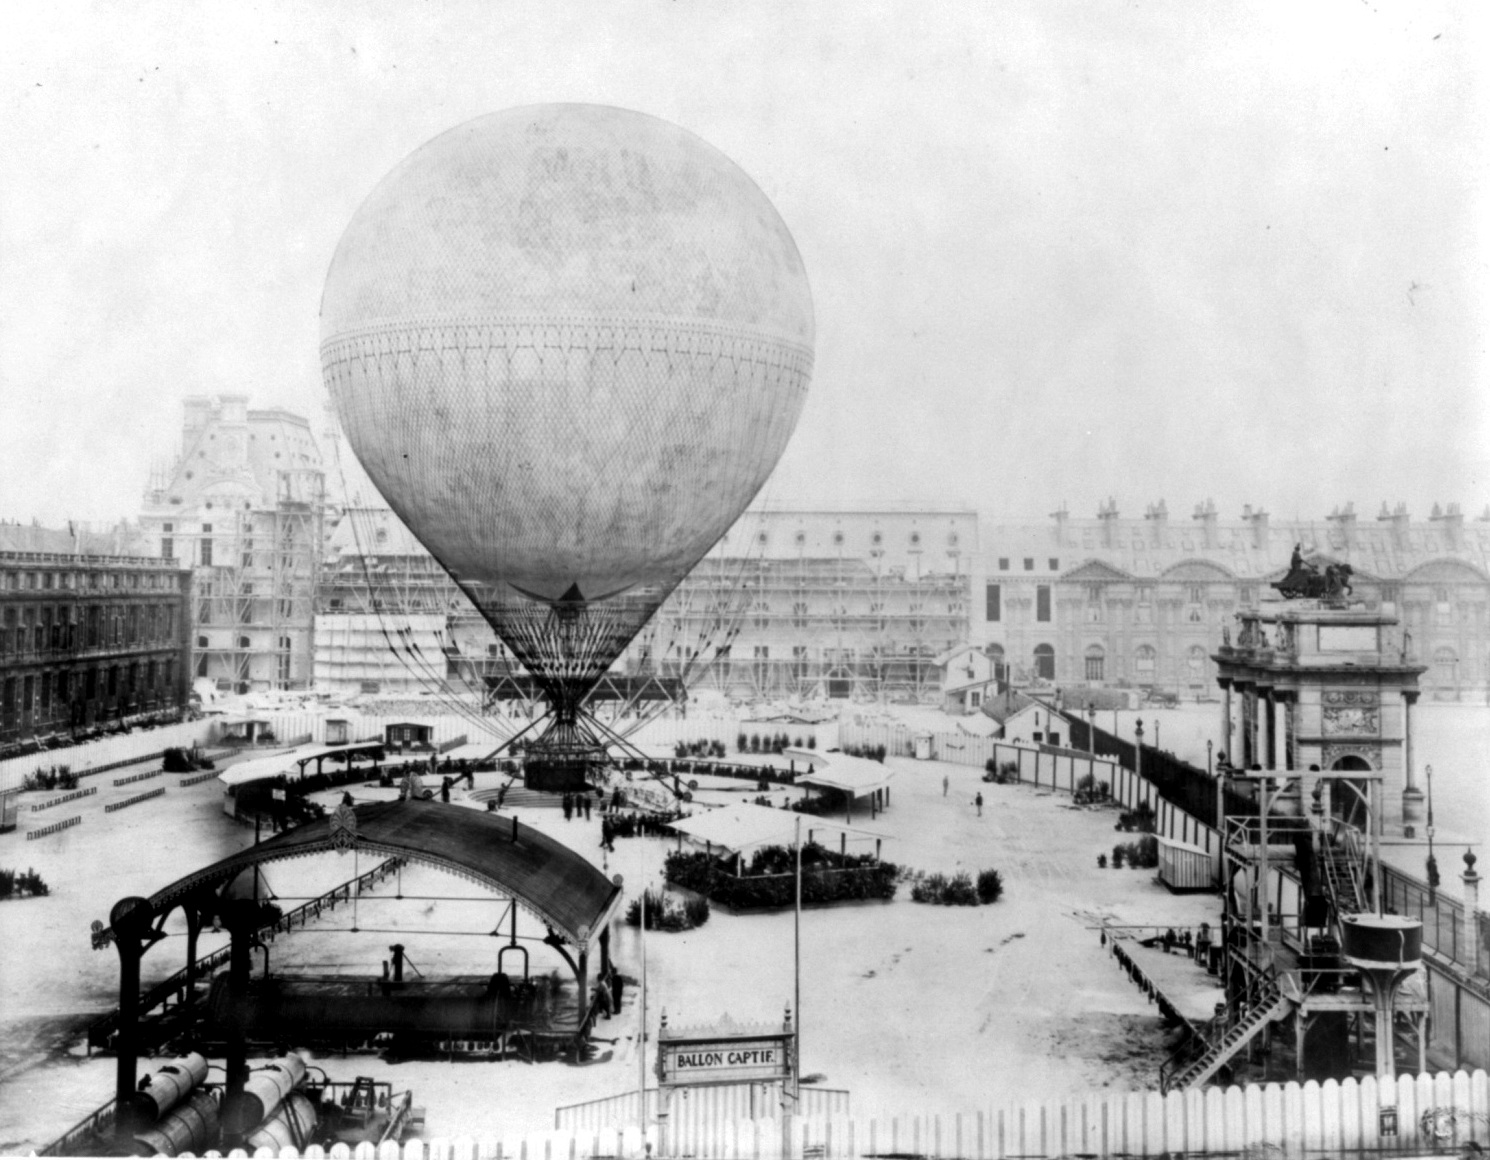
x=945, y=784
x=568, y=804
x=586, y=801
x=978, y=801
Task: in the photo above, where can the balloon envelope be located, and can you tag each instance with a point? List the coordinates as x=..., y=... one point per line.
x=568, y=343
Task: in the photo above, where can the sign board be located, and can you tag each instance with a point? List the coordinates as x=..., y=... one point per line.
x=724, y=1054
x=1348, y=638
x=1388, y=1121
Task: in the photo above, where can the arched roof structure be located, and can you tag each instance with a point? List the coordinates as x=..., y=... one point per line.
x=544, y=877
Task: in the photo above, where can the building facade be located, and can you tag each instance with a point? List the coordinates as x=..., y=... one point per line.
x=88, y=640
x=1142, y=603
x=243, y=506
x=820, y=604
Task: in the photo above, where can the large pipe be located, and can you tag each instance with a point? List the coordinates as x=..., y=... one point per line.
x=190, y=1128
x=160, y=1092
x=291, y=1126
x=263, y=1092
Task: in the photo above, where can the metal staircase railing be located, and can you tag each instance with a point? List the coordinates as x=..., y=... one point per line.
x=1270, y=1005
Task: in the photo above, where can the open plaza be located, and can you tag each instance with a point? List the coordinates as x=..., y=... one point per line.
x=907, y=1007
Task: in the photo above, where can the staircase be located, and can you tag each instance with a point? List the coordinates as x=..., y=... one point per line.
x=1339, y=868
x=1270, y=1005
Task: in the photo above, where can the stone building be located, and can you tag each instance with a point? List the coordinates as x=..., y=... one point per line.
x=820, y=603
x=1141, y=603
x=243, y=507
x=89, y=636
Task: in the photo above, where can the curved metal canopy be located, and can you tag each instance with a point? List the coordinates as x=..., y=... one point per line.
x=545, y=877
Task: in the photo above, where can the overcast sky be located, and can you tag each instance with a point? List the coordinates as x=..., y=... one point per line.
x=1057, y=251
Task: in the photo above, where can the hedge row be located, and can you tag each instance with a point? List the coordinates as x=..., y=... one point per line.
x=770, y=880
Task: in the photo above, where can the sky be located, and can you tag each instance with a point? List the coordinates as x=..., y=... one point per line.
x=1058, y=251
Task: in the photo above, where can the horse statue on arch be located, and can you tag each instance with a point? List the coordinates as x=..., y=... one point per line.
x=1305, y=580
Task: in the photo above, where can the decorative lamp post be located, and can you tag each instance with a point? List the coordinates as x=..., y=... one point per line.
x=1432, y=861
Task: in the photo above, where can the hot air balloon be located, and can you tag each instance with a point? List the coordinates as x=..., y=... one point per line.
x=568, y=343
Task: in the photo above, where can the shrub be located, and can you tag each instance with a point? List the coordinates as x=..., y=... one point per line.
x=1118, y=853
x=1101, y=861
x=665, y=913
x=990, y=886
x=811, y=742
x=929, y=888
x=960, y=891
x=14, y=884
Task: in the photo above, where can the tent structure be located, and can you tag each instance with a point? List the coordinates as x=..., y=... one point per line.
x=854, y=777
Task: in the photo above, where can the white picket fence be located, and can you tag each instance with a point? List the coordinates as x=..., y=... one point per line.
x=1440, y=1114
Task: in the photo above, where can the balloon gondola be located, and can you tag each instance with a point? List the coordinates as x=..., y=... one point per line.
x=568, y=343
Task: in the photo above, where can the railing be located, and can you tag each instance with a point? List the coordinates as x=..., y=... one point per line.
x=100, y=1030
x=74, y=1142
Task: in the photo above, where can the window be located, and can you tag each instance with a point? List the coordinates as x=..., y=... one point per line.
x=992, y=608
x=799, y=614
x=1445, y=667
x=206, y=553
x=1195, y=662
x=167, y=541
x=1055, y=564
x=1045, y=662
x=1003, y=563
x=1042, y=602
x=762, y=652
x=1143, y=662
x=1029, y=563
x=1095, y=659
x=1197, y=594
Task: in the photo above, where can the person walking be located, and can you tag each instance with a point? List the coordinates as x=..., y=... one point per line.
x=978, y=801
x=586, y=800
x=568, y=804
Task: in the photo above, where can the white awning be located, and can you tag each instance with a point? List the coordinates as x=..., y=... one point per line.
x=743, y=827
x=851, y=775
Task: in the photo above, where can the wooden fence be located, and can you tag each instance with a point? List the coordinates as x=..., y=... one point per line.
x=703, y=1106
x=67, y=797
x=55, y=827
x=1442, y=1114
x=133, y=801
x=107, y=752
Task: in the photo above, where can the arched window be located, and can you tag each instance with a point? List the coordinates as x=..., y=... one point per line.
x=1045, y=662
x=1144, y=659
x=1096, y=658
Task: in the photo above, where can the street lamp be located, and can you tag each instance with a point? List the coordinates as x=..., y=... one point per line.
x=1432, y=861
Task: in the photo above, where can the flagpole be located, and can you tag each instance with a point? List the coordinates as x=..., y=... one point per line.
x=641, y=1035
x=797, y=972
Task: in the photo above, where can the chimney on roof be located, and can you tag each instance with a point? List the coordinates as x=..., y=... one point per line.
x=1206, y=514
x=1108, y=514
x=1060, y=516
x=1259, y=521
x=1157, y=516
x=1401, y=523
x=1345, y=518
x=196, y=413
x=1453, y=525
